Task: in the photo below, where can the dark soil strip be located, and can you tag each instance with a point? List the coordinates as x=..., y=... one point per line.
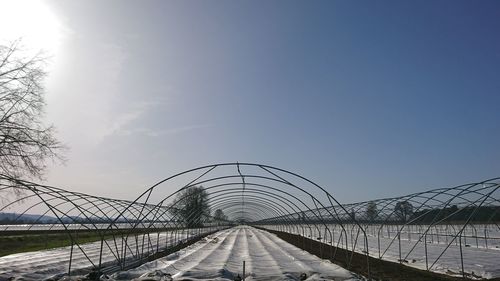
x=380, y=269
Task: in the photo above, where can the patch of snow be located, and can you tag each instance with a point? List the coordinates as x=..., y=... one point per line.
x=220, y=257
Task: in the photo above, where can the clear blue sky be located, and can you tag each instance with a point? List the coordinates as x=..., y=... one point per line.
x=369, y=99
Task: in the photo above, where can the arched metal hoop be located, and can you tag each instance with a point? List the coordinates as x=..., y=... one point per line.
x=128, y=233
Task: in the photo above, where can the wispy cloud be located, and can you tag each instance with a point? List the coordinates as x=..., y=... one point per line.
x=96, y=101
x=158, y=133
x=119, y=123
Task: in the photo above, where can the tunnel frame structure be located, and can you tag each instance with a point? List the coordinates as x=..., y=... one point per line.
x=255, y=194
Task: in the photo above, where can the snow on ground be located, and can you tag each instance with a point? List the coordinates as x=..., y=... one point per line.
x=479, y=260
x=45, y=264
x=221, y=255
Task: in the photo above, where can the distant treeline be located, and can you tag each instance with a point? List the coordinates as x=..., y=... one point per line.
x=403, y=212
x=14, y=218
x=455, y=214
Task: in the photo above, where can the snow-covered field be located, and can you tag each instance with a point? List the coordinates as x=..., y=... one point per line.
x=481, y=257
x=220, y=256
x=45, y=264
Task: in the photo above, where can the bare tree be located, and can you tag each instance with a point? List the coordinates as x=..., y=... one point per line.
x=371, y=211
x=191, y=206
x=219, y=216
x=403, y=210
x=25, y=142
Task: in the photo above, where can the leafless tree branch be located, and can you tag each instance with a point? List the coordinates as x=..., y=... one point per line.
x=26, y=143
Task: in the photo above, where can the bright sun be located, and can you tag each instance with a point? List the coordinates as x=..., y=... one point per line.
x=31, y=21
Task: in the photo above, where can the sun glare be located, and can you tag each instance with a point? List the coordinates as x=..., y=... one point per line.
x=31, y=21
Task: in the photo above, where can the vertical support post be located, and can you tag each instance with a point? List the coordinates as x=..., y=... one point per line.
x=243, y=271
x=477, y=239
x=378, y=243
x=425, y=249
x=399, y=245
x=461, y=255
x=331, y=244
x=124, y=250
x=137, y=245
x=485, y=238
x=100, y=253
x=70, y=258
x=158, y=242
x=142, y=246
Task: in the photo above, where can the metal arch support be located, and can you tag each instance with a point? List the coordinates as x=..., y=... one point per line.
x=261, y=195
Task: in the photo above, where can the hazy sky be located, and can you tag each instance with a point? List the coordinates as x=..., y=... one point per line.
x=369, y=99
